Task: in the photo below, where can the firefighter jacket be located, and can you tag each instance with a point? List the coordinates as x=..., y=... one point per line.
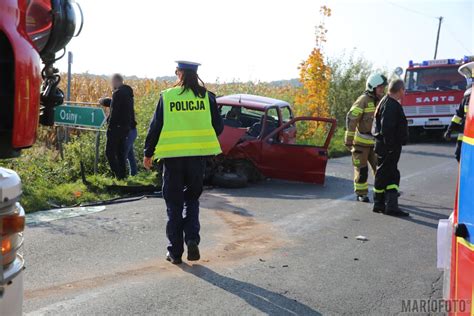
x=457, y=122
x=359, y=121
x=390, y=127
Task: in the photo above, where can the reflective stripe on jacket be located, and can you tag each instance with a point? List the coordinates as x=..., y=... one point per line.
x=359, y=121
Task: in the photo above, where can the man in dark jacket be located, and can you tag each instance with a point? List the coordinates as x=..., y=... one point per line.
x=120, y=121
x=390, y=129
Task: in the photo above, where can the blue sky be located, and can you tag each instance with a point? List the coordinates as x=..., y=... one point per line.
x=262, y=39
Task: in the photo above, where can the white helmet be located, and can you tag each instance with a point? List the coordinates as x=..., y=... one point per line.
x=374, y=81
x=467, y=70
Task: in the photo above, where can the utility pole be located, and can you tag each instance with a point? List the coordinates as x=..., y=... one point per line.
x=437, y=36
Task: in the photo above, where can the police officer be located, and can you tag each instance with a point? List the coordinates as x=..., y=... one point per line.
x=358, y=137
x=183, y=130
x=391, y=133
x=457, y=122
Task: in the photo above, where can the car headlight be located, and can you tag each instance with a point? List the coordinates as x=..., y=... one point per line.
x=51, y=24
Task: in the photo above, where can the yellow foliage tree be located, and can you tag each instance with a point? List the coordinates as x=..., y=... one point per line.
x=315, y=75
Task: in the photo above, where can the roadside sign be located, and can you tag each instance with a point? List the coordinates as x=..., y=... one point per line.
x=79, y=116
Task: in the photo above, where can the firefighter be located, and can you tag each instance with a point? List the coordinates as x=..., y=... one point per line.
x=457, y=122
x=358, y=137
x=390, y=130
x=184, y=129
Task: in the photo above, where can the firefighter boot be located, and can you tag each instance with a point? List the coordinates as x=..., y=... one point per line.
x=392, y=208
x=379, y=203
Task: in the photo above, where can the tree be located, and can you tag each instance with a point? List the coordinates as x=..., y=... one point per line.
x=315, y=76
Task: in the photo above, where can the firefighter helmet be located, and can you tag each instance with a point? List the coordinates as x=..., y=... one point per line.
x=467, y=70
x=375, y=80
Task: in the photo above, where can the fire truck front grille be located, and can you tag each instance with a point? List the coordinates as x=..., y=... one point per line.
x=7, y=91
x=443, y=109
x=425, y=110
x=410, y=110
x=429, y=110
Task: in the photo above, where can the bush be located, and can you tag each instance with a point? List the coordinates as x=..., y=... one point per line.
x=348, y=77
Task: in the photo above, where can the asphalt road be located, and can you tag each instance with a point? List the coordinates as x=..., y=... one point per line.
x=278, y=248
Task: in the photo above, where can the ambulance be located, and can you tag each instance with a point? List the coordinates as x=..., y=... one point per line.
x=434, y=89
x=456, y=235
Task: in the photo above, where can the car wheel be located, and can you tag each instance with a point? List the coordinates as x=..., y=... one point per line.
x=229, y=180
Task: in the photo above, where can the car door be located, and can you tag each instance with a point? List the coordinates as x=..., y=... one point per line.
x=303, y=158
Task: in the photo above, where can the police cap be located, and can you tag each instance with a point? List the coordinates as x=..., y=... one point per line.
x=182, y=64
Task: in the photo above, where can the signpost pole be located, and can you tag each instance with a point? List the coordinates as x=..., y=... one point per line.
x=97, y=147
x=68, y=92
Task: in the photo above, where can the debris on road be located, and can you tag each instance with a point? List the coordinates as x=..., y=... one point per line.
x=56, y=214
x=362, y=238
x=285, y=266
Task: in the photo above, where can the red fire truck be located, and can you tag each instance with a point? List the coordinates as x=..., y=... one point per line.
x=434, y=89
x=31, y=31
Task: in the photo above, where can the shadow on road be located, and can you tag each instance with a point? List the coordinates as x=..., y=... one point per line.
x=429, y=215
x=429, y=154
x=334, y=188
x=267, y=302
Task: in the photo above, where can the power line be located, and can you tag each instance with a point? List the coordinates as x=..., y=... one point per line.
x=411, y=10
x=458, y=41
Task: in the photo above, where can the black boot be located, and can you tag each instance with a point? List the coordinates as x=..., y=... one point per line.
x=363, y=198
x=379, y=203
x=172, y=259
x=193, y=251
x=392, y=208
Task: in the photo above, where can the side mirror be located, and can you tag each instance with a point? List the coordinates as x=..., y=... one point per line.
x=398, y=71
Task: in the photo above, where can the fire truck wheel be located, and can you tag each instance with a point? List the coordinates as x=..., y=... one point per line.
x=229, y=180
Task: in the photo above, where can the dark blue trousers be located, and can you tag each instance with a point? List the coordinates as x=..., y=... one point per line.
x=182, y=187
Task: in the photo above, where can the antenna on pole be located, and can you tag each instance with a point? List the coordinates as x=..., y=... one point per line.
x=437, y=36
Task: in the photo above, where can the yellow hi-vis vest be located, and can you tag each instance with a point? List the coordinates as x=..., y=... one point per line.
x=187, y=126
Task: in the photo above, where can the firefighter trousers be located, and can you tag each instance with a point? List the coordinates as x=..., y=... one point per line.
x=387, y=176
x=362, y=157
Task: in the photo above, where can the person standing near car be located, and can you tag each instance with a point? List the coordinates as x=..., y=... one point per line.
x=121, y=121
x=391, y=133
x=358, y=137
x=457, y=122
x=184, y=129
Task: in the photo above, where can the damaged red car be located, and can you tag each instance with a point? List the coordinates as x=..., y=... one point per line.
x=262, y=139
